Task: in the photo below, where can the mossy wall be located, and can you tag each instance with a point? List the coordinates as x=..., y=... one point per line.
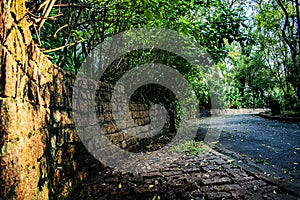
x=41, y=154
x=38, y=137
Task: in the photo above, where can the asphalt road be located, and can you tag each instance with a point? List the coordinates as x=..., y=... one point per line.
x=272, y=145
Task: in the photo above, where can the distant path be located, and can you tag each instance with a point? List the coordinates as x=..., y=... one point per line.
x=273, y=145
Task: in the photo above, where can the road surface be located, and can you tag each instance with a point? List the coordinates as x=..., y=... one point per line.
x=272, y=145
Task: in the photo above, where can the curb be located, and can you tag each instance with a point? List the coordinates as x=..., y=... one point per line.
x=279, y=118
x=254, y=169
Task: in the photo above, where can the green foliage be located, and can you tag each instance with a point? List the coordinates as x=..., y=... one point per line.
x=291, y=113
x=83, y=24
x=257, y=56
x=192, y=147
x=278, y=39
x=90, y=22
x=249, y=81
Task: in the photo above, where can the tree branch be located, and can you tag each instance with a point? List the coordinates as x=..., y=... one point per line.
x=61, y=47
x=73, y=6
x=285, y=26
x=46, y=12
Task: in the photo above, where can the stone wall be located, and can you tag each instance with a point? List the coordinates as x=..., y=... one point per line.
x=42, y=156
x=237, y=111
x=23, y=106
x=38, y=137
x=134, y=123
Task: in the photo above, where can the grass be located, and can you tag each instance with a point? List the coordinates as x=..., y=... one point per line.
x=192, y=148
x=288, y=113
x=291, y=113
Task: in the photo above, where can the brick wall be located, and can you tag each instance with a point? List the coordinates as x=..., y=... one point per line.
x=138, y=113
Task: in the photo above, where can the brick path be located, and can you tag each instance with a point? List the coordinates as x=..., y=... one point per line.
x=209, y=176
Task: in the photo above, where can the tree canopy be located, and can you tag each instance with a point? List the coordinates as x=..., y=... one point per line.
x=255, y=44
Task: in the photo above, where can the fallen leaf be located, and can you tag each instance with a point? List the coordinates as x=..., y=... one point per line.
x=150, y=187
x=154, y=197
x=149, y=146
x=293, y=163
x=230, y=161
x=120, y=186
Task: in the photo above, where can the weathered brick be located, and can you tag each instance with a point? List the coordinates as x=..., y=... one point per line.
x=227, y=187
x=218, y=195
x=216, y=180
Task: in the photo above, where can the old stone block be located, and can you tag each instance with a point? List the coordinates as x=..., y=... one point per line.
x=33, y=93
x=135, y=115
x=116, y=138
x=227, y=187
x=131, y=141
x=23, y=154
x=141, y=122
x=205, y=189
x=15, y=44
x=58, y=100
x=242, y=178
x=66, y=119
x=8, y=75
x=216, y=180
x=57, y=116
x=71, y=135
x=110, y=128
x=254, y=184
x=22, y=89
x=101, y=119
x=141, y=107
x=269, y=189
x=32, y=70
x=218, y=195
x=58, y=86
x=108, y=117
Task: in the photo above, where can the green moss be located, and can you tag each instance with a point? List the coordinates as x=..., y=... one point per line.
x=3, y=150
x=192, y=147
x=11, y=192
x=6, y=116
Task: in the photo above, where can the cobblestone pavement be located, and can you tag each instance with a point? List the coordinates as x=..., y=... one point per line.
x=209, y=176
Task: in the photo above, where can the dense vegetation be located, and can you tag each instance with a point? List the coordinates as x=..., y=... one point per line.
x=255, y=44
